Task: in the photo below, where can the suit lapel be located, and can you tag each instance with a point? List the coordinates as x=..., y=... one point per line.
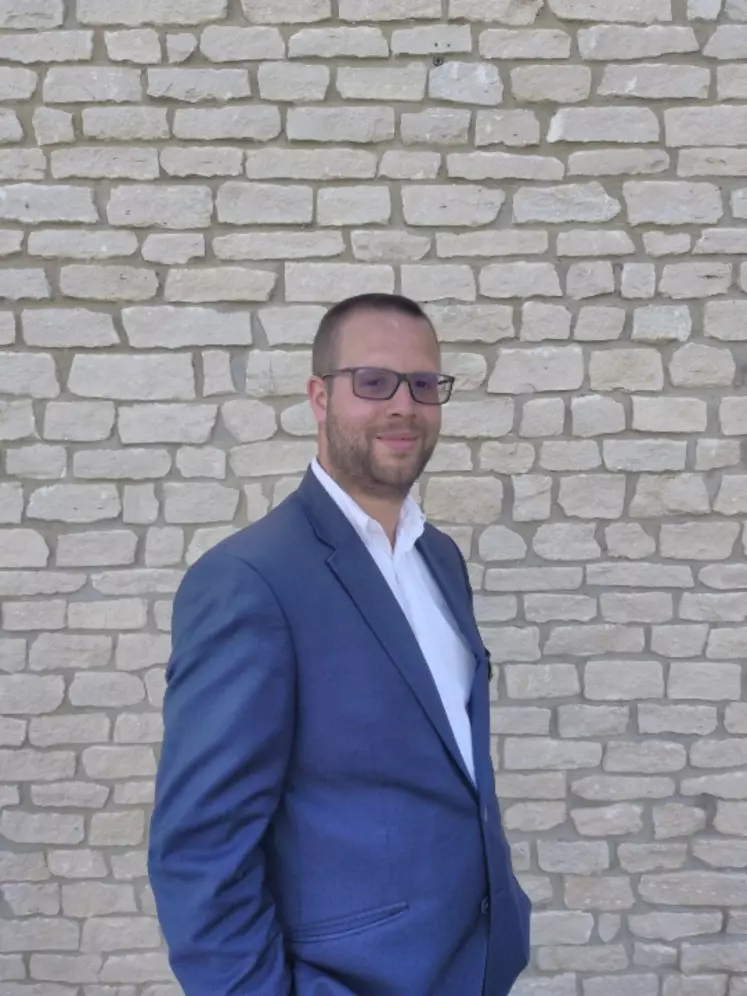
x=449, y=582
x=457, y=598
x=360, y=577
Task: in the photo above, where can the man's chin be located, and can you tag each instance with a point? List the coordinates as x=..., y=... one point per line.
x=400, y=475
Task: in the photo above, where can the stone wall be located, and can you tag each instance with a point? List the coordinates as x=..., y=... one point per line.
x=185, y=185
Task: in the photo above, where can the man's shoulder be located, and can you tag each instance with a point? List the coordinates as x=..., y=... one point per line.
x=441, y=541
x=267, y=545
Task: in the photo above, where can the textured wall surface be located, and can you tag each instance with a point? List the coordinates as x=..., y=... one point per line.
x=185, y=185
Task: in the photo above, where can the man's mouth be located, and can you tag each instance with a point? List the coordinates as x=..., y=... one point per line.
x=399, y=442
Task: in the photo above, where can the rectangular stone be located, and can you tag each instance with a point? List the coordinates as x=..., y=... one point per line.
x=17, y=420
x=654, y=82
x=611, y=42
x=16, y=583
x=534, y=579
x=125, y=124
x=72, y=243
x=584, y=641
x=511, y=128
x=635, y=11
x=388, y=84
x=535, y=83
x=174, y=327
x=724, y=125
x=604, y=124
x=158, y=12
x=450, y=205
x=660, y=202
x=34, y=203
x=637, y=455
x=636, y=680
x=79, y=421
x=592, y=721
x=546, y=754
x=136, y=45
x=160, y=206
x=695, y=889
x=133, y=378
x=56, y=652
x=617, y=162
x=35, y=766
x=108, y=283
x=74, y=503
x=40, y=934
x=388, y=10
x=466, y=83
x=334, y=43
x=340, y=124
x=541, y=681
x=50, y=125
x=310, y=164
x=285, y=11
x=219, y=284
x=523, y=280
x=501, y=166
x=669, y=415
x=11, y=129
x=289, y=83
x=321, y=282
x=196, y=85
x=712, y=162
x=436, y=126
x=729, y=41
x=540, y=43
x=430, y=40
x=278, y=245
x=46, y=46
x=112, y=464
x=100, y=164
x=262, y=203
x=707, y=680
x=214, y=124
x=69, y=85
x=119, y=762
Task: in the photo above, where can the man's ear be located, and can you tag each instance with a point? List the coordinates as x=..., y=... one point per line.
x=318, y=396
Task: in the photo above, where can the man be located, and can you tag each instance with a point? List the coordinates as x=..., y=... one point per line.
x=326, y=821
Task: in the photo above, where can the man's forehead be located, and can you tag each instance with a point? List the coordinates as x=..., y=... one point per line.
x=386, y=330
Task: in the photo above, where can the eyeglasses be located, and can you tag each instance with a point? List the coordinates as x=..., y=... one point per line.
x=376, y=384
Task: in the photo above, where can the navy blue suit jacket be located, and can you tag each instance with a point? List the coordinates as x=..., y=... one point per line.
x=315, y=830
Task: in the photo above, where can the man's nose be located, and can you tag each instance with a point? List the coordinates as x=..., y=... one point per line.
x=402, y=401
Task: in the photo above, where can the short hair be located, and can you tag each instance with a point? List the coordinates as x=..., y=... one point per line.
x=327, y=338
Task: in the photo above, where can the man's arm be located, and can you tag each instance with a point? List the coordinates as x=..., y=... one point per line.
x=228, y=718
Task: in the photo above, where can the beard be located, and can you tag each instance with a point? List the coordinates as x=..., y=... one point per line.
x=354, y=459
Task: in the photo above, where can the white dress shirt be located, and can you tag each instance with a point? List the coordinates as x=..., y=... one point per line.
x=441, y=642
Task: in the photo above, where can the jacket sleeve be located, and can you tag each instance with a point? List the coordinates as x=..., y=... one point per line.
x=228, y=727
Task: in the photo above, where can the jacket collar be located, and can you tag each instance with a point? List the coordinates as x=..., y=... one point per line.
x=358, y=574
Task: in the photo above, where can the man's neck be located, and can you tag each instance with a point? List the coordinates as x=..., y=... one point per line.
x=385, y=511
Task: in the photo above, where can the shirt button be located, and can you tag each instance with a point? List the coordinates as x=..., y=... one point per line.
x=485, y=814
x=485, y=906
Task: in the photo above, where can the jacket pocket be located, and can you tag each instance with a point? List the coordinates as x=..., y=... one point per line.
x=342, y=926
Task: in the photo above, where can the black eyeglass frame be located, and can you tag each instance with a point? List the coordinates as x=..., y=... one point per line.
x=445, y=381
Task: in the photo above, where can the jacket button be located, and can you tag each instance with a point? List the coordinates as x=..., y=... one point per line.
x=485, y=906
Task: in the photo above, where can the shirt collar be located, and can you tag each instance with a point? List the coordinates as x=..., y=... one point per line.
x=411, y=520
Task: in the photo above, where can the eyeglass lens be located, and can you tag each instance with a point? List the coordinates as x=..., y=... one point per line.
x=380, y=385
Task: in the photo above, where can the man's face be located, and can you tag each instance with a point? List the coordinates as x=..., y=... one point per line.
x=379, y=448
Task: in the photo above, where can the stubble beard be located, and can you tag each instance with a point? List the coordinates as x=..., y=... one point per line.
x=355, y=464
